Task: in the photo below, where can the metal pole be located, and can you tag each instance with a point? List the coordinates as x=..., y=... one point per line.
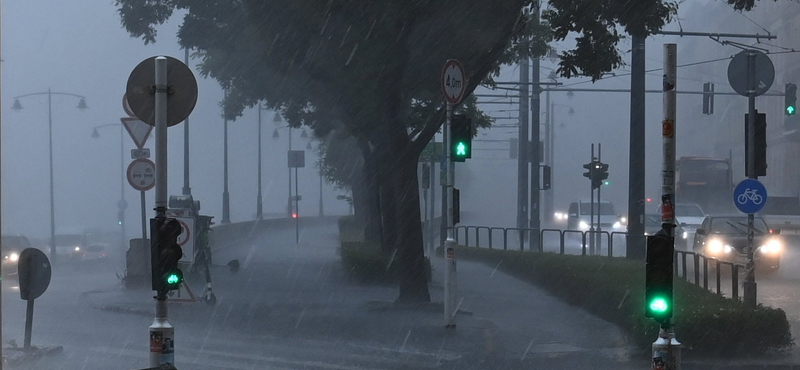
x=259, y=203
x=226, y=205
x=161, y=332
x=433, y=204
x=522, y=152
x=635, y=243
x=122, y=205
x=28, y=325
x=450, y=273
x=749, y=285
x=291, y=212
x=144, y=216
x=321, y=209
x=53, y=256
x=597, y=245
x=186, y=189
x=296, y=210
x=1, y=248
x=666, y=347
x=548, y=201
x=551, y=160
x=591, y=203
x=534, y=149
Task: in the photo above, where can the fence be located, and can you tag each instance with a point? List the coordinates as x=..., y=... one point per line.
x=682, y=270
x=516, y=238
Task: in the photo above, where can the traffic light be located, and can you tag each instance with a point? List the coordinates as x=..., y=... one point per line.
x=658, y=278
x=760, y=144
x=460, y=138
x=165, y=254
x=546, y=177
x=599, y=174
x=590, y=168
x=120, y=216
x=791, y=99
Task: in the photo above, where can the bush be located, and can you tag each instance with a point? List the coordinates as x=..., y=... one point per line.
x=366, y=262
x=613, y=289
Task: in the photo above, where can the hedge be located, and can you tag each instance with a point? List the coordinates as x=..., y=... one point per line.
x=613, y=290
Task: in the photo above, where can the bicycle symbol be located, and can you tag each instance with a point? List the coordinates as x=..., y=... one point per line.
x=751, y=195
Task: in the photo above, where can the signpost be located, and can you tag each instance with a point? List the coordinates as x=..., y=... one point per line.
x=34, y=278
x=454, y=82
x=296, y=159
x=750, y=73
x=750, y=196
x=161, y=91
x=138, y=130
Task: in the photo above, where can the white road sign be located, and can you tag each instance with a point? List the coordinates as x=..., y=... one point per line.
x=138, y=130
x=453, y=81
x=142, y=174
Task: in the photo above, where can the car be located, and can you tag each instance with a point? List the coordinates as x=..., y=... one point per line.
x=12, y=246
x=580, y=212
x=94, y=252
x=725, y=237
x=70, y=246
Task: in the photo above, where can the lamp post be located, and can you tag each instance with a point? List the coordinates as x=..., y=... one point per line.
x=226, y=205
x=122, y=203
x=81, y=106
x=259, y=199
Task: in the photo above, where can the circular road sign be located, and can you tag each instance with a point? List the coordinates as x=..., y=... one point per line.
x=750, y=196
x=181, y=91
x=34, y=273
x=142, y=174
x=186, y=233
x=737, y=72
x=453, y=81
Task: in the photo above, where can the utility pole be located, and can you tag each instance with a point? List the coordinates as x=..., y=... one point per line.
x=749, y=285
x=259, y=199
x=635, y=242
x=534, y=149
x=523, y=158
x=186, y=189
x=226, y=201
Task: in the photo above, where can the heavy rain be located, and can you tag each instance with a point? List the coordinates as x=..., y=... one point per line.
x=399, y=184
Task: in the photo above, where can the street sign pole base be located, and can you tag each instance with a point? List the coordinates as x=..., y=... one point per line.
x=666, y=351
x=750, y=289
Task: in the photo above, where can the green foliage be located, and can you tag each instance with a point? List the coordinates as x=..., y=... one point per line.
x=350, y=229
x=613, y=289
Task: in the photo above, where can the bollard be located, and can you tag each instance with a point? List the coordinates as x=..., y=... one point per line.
x=705, y=273
x=735, y=280
x=719, y=286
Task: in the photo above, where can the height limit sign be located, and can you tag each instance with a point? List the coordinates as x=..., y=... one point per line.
x=453, y=81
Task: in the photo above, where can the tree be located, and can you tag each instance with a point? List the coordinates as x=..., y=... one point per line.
x=363, y=63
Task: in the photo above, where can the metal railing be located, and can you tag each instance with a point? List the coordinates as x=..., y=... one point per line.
x=681, y=270
x=471, y=236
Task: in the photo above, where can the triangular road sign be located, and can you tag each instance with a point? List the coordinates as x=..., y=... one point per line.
x=138, y=130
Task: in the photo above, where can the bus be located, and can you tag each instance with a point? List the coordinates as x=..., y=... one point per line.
x=706, y=182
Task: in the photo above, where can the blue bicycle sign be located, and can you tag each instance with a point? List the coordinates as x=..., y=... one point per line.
x=750, y=196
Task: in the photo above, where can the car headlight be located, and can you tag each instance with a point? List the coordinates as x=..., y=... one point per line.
x=773, y=246
x=617, y=225
x=714, y=246
x=583, y=225
x=728, y=249
x=13, y=257
x=685, y=235
x=624, y=220
x=77, y=249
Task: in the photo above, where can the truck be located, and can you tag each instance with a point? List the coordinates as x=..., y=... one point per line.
x=706, y=182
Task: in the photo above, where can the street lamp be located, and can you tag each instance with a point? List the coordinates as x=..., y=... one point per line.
x=81, y=106
x=226, y=205
x=122, y=203
x=259, y=199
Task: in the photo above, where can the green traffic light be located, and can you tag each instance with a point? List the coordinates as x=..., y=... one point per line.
x=173, y=279
x=606, y=183
x=791, y=110
x=461, y=149
x=659, y=305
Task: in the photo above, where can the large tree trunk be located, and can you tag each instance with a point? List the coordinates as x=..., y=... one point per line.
x=370, y=191
x=387, y=201
x=410, y=255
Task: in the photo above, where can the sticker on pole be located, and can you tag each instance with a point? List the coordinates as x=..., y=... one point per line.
x=750, y=196
x=453, y=81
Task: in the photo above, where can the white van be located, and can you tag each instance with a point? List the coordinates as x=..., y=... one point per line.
x=580, y=211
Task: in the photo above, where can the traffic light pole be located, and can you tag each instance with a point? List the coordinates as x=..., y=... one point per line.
x=162, y=334
x=749, y=285
x=666, y=349
x=450, y=273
